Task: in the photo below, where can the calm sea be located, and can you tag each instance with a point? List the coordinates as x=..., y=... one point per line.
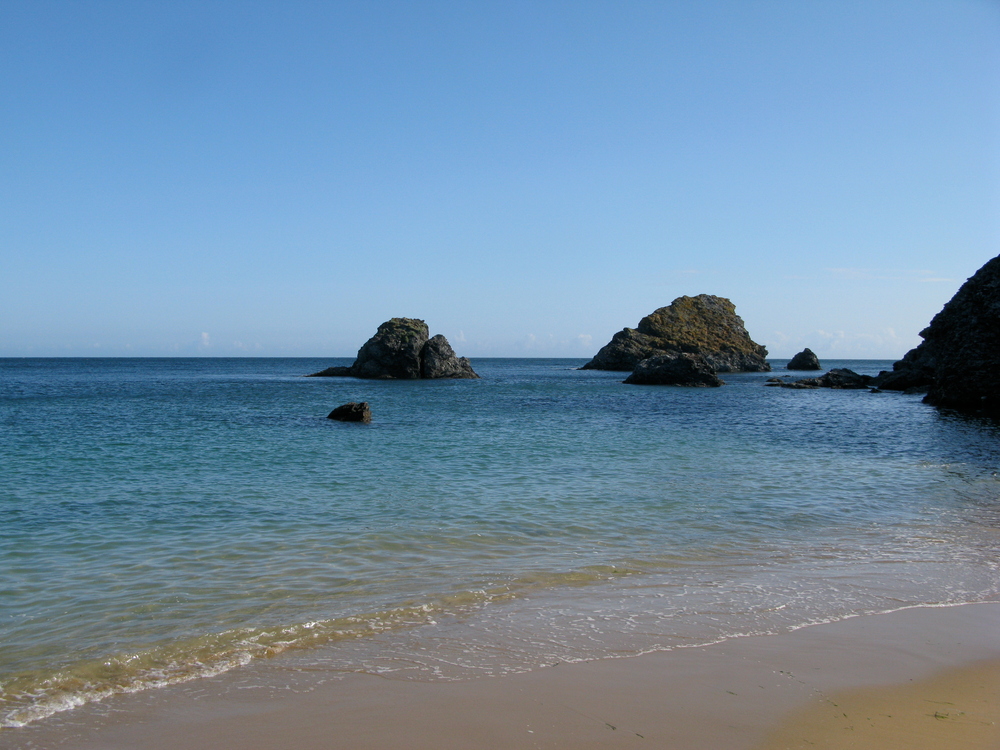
x=168, y=519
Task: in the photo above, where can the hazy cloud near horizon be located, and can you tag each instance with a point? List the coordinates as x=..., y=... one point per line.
x=278, y=179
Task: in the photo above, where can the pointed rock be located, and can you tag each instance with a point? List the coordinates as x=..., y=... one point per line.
x=805, y=360
x=438, y=360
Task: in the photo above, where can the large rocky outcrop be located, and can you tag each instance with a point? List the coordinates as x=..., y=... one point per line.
x=959, y=359
x=675, y=368
x=401, y=349
x=805, y=360
x=393, y=352
x=705, y=325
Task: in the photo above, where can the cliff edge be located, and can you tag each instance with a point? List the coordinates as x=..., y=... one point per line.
x=958, y=361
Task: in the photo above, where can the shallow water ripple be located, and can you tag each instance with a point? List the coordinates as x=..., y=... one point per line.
x=168, y=519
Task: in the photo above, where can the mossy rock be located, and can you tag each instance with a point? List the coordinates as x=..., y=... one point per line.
x=705, y=325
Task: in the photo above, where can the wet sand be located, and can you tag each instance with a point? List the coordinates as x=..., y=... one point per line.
x=926, y=678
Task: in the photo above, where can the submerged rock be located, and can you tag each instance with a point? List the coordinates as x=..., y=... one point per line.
x=783, y=383
x=843, y=378
x=352, y=412
x=331, y=372
x=401, y=350
x=705, y=325
x=805, y=360
x=840, y=378
x=675, y=368
x=958, y=361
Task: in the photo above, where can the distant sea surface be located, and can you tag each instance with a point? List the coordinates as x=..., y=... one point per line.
x=163, y=520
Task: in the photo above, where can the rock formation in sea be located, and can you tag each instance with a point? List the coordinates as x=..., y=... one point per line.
x=352, y=412
x=839, y=378
x=402, y=350
x=675, y=368
x=393, y=352
x=438, y=360
x=958, y=361
x=804, y=360
x=705, y=325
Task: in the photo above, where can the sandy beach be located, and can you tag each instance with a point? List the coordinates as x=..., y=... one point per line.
x=923, y=678
x=499, y=375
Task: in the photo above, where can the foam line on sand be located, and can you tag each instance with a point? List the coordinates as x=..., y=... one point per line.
x=923, y=678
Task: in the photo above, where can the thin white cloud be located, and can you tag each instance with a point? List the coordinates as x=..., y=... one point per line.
x=853, y=345
x=883, y=274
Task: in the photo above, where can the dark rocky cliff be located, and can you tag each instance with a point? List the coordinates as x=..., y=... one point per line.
x=958, y=361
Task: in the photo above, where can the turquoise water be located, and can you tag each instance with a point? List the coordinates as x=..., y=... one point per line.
x=164, y=520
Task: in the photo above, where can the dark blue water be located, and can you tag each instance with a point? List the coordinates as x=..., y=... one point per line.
x=168, y=519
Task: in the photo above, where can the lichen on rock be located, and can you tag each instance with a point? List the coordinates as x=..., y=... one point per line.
x=393, y=352
x=705, y=325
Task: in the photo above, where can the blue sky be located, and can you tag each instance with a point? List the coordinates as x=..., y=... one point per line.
x=276, y=179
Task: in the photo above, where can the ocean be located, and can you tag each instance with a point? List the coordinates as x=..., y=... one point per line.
x=165, y=520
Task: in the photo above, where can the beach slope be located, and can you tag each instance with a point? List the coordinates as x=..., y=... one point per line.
x=918, y=678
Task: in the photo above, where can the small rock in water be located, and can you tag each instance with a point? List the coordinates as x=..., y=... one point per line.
x=352, y=412
x=805, y=360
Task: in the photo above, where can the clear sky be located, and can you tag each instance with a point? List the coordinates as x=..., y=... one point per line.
x=276, y=179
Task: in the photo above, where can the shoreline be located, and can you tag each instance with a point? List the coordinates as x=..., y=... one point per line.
x=931, y=673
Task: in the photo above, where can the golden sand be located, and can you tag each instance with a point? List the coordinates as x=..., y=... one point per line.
x=919, y=679
x=958, y=709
